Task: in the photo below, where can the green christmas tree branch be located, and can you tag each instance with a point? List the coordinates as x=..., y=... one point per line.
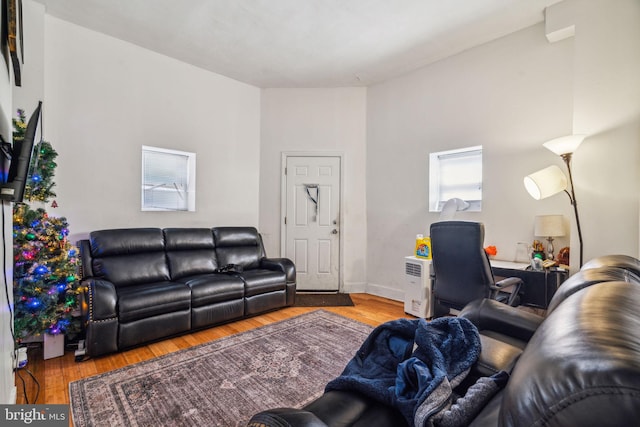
x=46, y=264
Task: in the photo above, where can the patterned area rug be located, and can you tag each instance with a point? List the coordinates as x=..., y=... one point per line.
x=224, y=382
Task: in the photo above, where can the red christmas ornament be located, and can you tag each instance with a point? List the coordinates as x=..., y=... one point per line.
x=54, y=204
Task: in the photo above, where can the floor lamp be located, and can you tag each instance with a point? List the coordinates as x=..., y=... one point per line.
x=551, y=180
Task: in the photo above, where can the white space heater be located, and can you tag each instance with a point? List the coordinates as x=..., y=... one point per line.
x=418, y=300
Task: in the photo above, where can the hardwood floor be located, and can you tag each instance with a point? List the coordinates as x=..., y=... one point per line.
x=54, y=375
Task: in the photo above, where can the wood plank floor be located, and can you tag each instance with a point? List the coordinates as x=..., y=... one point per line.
x=54, y=375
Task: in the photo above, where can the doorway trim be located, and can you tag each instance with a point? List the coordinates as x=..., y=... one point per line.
x=283, y=203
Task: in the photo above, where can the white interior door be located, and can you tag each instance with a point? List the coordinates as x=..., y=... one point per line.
x=312, y=222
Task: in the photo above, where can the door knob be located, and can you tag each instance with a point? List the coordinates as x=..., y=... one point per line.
x=334, y=231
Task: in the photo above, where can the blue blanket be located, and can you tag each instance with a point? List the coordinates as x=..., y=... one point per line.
x=413, y=365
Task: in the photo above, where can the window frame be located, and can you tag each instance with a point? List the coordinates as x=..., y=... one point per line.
x=190, y=175
x=437, y=187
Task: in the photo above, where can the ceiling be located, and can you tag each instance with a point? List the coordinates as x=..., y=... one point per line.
x=304, y=43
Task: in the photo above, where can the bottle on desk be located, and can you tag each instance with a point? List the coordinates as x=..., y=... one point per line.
x=536, y=263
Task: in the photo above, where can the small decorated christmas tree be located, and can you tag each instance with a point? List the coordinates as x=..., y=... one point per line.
x=45, y=263
x=45, y=278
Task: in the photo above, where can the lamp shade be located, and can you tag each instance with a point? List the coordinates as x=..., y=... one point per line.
x=564, y=145
x=546, y=182
x=548, y=225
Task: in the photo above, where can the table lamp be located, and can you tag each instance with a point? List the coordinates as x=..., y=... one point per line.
x=549, y=226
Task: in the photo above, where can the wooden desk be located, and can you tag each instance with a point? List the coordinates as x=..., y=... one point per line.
x=539, y=286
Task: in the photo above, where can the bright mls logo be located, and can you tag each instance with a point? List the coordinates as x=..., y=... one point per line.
x=34, y=415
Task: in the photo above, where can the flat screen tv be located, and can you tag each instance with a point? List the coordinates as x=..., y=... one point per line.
x=19, y=157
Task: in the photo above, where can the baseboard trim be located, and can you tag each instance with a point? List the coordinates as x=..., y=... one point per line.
x=354, y=288
x=385, y=292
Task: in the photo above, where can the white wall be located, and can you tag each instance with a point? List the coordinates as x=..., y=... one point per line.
x=7, y=387
x=7, y=384
x=607, y=108
x=31, y=91
x=104, y=99
x=509, y=96
x=317, y=120
x=13, y=97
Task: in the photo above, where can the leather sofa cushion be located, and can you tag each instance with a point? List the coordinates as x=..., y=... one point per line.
x=129, y=256
x=497, y=355
x=238, y=245
x=213, y=314
x=151, y=299
x=188, y=238
x=261, y=281
x=351, y=409
x=188, y=263
x=153, y=328
x=190, y=251
x=135, y=269
x=212, y=288
x=125, y=241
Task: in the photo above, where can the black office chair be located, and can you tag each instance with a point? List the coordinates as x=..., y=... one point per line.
x=462, y=270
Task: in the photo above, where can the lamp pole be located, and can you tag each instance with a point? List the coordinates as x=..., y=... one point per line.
x=572, y=197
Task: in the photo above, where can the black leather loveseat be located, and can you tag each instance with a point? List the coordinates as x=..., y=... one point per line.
x=144, y=284
x=578, y=366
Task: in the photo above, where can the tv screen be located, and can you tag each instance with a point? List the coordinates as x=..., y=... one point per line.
x=13, y=188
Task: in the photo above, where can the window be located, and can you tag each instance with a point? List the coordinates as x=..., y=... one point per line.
x=168, y=180
x=456, y=174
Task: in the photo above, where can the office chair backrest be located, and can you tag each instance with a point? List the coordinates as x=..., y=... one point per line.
x=461, y=266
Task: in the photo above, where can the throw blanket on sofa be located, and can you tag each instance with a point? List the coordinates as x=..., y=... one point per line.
x=413, y=365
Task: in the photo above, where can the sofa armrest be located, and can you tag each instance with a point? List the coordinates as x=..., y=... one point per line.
x=99, y=300
x=283, y=417
x=284, y=265
x=488, y=314
x=85, y=257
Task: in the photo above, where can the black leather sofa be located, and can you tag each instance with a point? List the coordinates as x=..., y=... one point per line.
x=144, y=284
x=578, y=366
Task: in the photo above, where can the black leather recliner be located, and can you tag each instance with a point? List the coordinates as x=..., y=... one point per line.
x=580, y=365
x=462, y=269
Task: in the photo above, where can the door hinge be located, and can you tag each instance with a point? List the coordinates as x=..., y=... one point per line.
x=285, y=171
x=285, y=220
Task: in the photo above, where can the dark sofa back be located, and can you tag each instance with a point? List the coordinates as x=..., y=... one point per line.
x=582, y=366
x=238, y=245
x=129, y=256
x=589, y=277
x=190, y=251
